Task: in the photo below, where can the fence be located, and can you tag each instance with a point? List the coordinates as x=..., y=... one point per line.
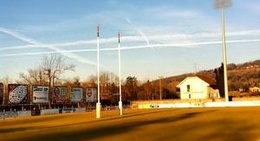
x=8, y=114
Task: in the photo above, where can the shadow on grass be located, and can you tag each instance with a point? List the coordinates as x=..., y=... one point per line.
x=194, y=127
x=19, y=129
x=28, y=121
x=230, y=130
x=215, y=130
x=109, y=130
x=9, y=129
x=52, y=118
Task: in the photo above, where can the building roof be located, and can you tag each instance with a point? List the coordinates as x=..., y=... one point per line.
x=206, y=79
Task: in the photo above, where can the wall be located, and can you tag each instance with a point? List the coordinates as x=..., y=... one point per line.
x=49, y=111
x=247, y=101
x=198, y=88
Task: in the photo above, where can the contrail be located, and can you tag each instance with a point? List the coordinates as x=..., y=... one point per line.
x=74, y=43
x=36, y=43
x=139, y=31
x=137, y=47
x=19, y=36
x=133, y=39
x=18, y=47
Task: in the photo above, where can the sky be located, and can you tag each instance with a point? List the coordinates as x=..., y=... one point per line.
x=158, y=38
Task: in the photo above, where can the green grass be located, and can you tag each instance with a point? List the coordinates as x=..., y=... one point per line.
x=194, y=124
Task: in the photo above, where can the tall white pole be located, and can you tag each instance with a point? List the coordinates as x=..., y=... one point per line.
x=120, y=104
x=222, y=4
x=224, y=55
x=98, y=104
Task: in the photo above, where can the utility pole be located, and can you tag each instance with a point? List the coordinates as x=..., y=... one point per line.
x=160, y=86
x=50, y=92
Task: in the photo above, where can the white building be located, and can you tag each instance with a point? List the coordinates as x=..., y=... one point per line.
x=198, y=87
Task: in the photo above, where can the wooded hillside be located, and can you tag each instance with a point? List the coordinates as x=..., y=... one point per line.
x=243, y=75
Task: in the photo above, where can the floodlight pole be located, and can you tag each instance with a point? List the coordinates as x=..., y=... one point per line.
x=98, y=104
x=221, y=4
x=224, y=55
x=120, y=104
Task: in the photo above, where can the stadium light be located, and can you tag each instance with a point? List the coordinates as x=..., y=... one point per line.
x=120, y=104
x=222, y=4
x=98, y=104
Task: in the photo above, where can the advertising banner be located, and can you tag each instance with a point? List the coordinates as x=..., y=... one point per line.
x=40, y=94
x=1, y=93
x=76, y=94
x=60, y=94
x=91, y=94
x=18, y=94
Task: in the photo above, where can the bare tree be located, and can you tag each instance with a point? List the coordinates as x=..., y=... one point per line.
x=49, y=70
x=75, y=82
x=91, y=82
x=54, y=66
x=35, y=76
x=108, y=80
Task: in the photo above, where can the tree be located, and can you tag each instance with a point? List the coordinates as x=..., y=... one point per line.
x=148, y=90
x=108, y=86
x=35, y=76
x=91, y=81
x=47, y=71
x=219, y=72
x=145, y=91
x=54, y=66
x=167, y=94
x=75, y=82
x=5, y=81
x=130, y=88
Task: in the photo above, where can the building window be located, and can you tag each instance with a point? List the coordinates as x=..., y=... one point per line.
x=188, y=88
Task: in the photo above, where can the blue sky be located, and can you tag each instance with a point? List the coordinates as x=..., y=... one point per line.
x=159, y=38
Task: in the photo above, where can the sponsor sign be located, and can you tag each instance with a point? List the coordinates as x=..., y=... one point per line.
x=18, y=94
x=76, y=94
x=1, y=92
x=91, y=94
x=40, y=94
x=60, y=94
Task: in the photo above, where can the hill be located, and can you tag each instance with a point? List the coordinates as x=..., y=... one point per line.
x=242, y=75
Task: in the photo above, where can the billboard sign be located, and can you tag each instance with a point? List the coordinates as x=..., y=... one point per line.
x=40, y=94
x=18, y=94
x=1, y=92
x=76, y=94
x=60, y=94
x=91, y=94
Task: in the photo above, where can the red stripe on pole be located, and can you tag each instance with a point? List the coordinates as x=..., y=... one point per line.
x=118, y=37
x=98, y=30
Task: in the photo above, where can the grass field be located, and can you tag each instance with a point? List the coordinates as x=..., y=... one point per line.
x=192, y=124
